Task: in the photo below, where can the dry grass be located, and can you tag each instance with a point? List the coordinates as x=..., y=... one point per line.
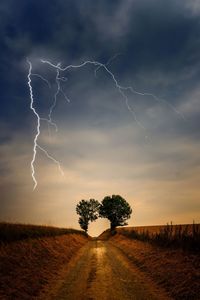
x=28, y=267
x=186, y=237
x=157, y=228
x=177, y=271
x=10, y=232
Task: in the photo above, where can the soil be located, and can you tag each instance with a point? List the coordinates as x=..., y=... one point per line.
x=101, y=271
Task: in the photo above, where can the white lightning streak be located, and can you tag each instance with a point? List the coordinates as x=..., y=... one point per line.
x=97, y=64
x=108, y=62
x=55, y=98
x=58, y=90
x=49, y=85
x=141, y=94
x=35, y=144
x=158, y=100
x=38, y=125
x=41, y=77
x=53, y=159
x=122, y=90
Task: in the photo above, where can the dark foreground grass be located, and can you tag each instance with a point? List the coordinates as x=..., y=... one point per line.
x=15, y=232
x=175, y=270
x=30, y=268
x=186, y=237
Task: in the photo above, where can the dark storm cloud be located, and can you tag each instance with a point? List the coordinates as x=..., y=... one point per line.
x=150, y=35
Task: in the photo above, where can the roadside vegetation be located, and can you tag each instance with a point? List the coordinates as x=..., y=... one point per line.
x=33, y=258
x=186, y=237
x=10, y=232
x=169, y=255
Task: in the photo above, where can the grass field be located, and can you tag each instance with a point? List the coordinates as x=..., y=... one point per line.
x=15, y=232
x=186, y=237
x=32, y=257
x=172, y=265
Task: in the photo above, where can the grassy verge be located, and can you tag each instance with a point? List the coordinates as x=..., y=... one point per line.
x=186, y=237
x=31, y=262
x=175, y=270
x=16, y=232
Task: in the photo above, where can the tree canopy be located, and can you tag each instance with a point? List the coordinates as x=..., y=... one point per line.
x=116, y=209
x=88, y=210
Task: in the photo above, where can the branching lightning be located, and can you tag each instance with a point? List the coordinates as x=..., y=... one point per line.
x=58, y=90
x=53, y=159
x=99, y=65
x=38, y=125
x=58, y=79
x=35, y=144
x=41, y=77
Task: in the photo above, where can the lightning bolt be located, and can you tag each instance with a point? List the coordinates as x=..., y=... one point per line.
x=49, y=120
x=108, y=62
x=58, y=90
x=53, y=159
x=58, y=79
x=35, y=144
x=41, y=77
x=120, y=88
x=99, y=65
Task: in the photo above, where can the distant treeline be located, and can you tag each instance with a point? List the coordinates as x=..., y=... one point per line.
x=186, y=237
x=14, y=232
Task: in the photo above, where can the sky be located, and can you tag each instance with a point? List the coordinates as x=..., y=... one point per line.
x=145, y=148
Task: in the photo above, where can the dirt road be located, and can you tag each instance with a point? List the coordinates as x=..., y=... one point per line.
x=101, y=271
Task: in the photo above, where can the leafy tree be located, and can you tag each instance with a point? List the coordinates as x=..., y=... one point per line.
x=88, y=210
x=116, y=210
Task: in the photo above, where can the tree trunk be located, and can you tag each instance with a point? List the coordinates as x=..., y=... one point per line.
x=112, y=229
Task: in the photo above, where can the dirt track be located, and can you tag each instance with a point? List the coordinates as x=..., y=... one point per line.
x=101, y=271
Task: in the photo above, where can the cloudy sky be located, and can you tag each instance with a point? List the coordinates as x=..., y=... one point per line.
x=145, y=148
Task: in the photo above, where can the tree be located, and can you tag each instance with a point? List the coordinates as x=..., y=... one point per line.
x=116, y=210
x=88, y=210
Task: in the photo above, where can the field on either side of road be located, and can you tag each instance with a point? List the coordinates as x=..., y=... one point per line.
x=29, y=266
x=175, y=269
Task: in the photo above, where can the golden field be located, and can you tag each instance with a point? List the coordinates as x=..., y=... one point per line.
x=157, y=228
x=175, y=268
x=29, y=266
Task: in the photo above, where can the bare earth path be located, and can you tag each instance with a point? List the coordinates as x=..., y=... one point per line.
x=100, y=271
